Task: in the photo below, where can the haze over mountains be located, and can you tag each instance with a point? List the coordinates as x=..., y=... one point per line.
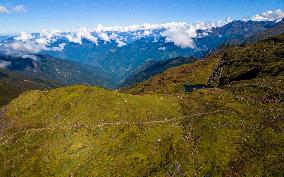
x=118, y=51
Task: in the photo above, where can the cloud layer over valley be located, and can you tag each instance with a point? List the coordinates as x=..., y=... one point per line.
x=179, y=33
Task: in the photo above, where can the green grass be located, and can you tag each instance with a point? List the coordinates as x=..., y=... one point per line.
x=59, y=132
x=210, y=132
x=231, y=130
x=89, y=105
x=232, y=134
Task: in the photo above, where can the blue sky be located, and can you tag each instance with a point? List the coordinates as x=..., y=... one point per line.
x=35, y=15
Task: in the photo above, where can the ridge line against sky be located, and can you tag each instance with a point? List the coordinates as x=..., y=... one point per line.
x=36, y=15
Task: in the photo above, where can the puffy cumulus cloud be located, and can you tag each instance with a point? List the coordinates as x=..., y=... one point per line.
x=26, y=44
x=76, y=36
x=13, y=47
x=24, y=37
x=101, y=32
x=276, y=15
x=183, y=35
x=104, y=36
x=51, y=34
x=59, y=48
x=4, y=10
x=118, y=39
x=4, y=64
x=180, y=37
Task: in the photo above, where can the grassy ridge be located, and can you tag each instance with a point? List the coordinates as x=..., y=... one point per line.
x=233, y=129
x=92, y=131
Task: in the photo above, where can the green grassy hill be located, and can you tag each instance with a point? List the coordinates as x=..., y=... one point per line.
x=234, y=128
x=88, y=131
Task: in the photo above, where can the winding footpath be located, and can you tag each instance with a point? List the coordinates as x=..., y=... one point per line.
x=103, y=124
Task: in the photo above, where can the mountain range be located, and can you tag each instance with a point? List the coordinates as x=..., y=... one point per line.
x=120, y=51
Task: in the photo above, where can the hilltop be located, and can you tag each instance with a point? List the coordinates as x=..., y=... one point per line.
x=30, y=72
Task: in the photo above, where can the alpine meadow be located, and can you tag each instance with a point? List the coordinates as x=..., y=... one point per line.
x=141, y=88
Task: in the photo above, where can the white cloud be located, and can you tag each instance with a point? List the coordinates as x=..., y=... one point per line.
x=180, y=37
x=275, y=15
x=104, y=36
x=60, y=47
x=74, y=38
x=120, y=43
x=33, y=57
x=4, y=64
x=19, y=9
x=4, y=10
x=22, y=47
x=162, y=48
x=9, y=9
x=24, y=37
x=50, y=34
x=147, y=32
x=82, y=33
x=118, y=39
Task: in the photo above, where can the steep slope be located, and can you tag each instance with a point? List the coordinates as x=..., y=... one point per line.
x=233, y=63
x=251, y=61
x=63, y=72
x=12, y=84
x=173, y=80
x=18, y=74
x=149, y=69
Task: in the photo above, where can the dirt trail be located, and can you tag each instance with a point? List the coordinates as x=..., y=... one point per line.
x=105, y=124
